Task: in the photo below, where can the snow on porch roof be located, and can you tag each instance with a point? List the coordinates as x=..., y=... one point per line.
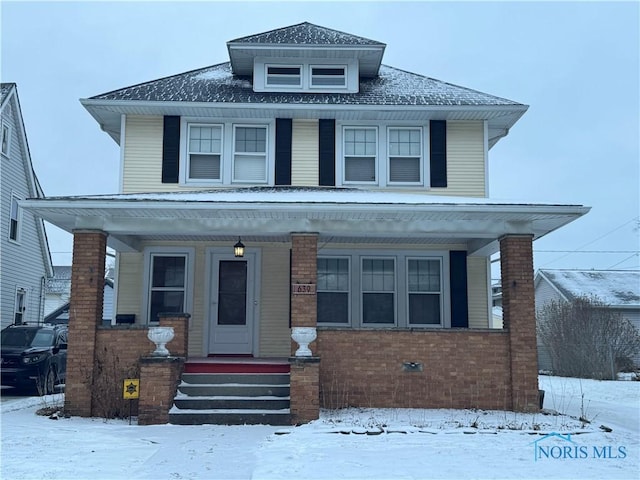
x=339, y=214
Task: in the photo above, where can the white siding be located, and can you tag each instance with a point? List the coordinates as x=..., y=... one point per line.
x=304, y=153
x=466, y=169
x=478, y=292
x=143, y=155
x=274, y=314
x=22, y=263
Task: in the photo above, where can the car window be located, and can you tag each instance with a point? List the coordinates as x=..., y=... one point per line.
x=17, y=338
x=44, y=338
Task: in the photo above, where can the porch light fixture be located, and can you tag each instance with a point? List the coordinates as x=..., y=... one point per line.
x=238, y=249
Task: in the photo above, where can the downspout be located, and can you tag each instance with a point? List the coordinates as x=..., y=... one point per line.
x=43, y=281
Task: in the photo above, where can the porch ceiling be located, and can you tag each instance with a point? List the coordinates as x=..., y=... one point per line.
x=271, y=214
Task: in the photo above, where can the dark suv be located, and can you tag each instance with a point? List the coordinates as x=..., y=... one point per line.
x=34, y=356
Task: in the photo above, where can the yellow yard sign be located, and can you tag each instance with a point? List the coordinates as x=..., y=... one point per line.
x=131, y=388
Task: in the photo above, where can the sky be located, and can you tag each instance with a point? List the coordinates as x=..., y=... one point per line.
x=576, y=64
x=403, y=444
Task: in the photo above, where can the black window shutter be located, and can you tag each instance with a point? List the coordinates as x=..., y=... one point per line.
x=438, y=152
x=171, y=149
x=327, y=152
x=458, y=284
x=283, y=151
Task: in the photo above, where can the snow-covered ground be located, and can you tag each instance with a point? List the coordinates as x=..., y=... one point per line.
x=349, y=444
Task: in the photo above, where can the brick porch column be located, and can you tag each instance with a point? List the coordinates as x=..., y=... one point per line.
x=85, y=314
x=518, y=312
x=305, y=371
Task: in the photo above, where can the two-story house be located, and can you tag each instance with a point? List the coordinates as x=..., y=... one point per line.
x=25, y=262
x=358, y=194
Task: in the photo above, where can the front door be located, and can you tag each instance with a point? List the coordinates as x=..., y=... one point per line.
x=232, y=309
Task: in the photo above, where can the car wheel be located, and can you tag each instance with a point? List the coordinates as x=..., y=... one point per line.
x=48, y=386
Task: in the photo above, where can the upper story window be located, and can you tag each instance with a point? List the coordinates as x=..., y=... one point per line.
x=381, y=154
x=205, y=152
x=283, y=76
x=226, y=153
x=273, y=74
x=5, y=140
x=14, y=219
x=250, y=154
x=405, y=155
x=323, y=76
x=360, y=154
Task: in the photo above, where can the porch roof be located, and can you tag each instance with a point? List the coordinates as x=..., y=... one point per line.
x=338, y=215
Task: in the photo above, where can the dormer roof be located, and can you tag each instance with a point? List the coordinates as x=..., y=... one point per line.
x=305, y=40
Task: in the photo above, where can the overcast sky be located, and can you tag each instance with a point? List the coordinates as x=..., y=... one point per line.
x=575, y=64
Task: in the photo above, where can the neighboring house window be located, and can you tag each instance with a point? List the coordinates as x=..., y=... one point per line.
x=284, y=76
x=328, y=76
x=168, y=285
x=14, y=220
x=204, y=152
x=250, y=154
x=20, y=305
x=360, y=147
x=378, y=291
x=405, y=155
x=6, y=139
x=333, y=290
x=424, y=291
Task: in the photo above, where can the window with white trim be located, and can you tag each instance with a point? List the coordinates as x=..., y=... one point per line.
x=283, y=76
x=20, y=306
x=360, y=147
x=5, y=140
x=378, y=283
x=328, y=76
x=405, y=155
x=14, y=219
x=424, y=281
x=250, y=154
x=333, y=290
x=204, y=151
x=167, y=284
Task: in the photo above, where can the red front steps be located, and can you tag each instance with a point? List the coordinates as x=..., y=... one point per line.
x=236, y=365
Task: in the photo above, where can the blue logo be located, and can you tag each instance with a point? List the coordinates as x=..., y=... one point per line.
x=556, y=446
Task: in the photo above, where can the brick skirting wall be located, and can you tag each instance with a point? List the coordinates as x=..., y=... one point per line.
x=452, y=369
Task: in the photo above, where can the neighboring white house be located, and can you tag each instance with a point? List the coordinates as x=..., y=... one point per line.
x=618, y=289
x=61, y=288
x=58, y=289
x=25, y=262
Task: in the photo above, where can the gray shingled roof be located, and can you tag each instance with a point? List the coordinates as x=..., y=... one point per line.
x=217, y=84
x=305, y=34
x=61, y=280
x=613, y=287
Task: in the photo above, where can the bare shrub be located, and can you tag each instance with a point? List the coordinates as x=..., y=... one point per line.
x=108, y=379
x=587, y=339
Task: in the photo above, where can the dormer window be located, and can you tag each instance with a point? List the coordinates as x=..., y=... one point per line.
x=284, y=76
x=315, y=75
x=332, y=76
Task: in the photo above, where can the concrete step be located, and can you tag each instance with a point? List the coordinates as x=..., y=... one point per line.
x=231, y=402
x=233, y=389
x=229, y=417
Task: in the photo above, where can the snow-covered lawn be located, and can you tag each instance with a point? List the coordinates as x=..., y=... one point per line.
x=348, y=444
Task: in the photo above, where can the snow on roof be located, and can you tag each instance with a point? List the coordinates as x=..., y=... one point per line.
x=308, y=34
x=391, y=87
x=612, y=287
x=61, y=280
x=286, y=194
